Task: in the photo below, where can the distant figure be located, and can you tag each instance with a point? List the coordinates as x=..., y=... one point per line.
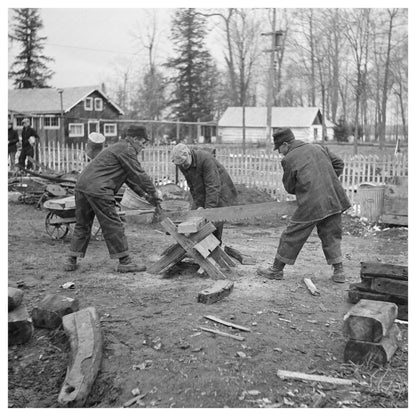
x=210, y=184
x=310, y=171
x=13, y=140
x=29, y=137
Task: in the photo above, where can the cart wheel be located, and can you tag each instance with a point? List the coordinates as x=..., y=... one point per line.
x=55, y=231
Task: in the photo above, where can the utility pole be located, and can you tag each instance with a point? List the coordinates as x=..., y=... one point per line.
x=275, y=44
x=60, y=91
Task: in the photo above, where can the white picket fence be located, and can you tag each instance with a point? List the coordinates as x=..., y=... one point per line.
x=257, y=168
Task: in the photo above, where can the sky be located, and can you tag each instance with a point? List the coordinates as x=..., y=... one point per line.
x=89, y=40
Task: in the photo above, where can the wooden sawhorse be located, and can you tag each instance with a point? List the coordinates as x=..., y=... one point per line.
x=201, y=246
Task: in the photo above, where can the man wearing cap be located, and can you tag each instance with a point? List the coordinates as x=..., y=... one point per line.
x=13, y=140
x=95, y=144
x=310, y=171
x=210, y=184
x=95, y=193
x=28, y=144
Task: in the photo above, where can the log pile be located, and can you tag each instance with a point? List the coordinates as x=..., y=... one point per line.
x=373, y=336
x=382, y=282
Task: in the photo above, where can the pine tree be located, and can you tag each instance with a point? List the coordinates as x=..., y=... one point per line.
x=195, y=72
x=30, y=67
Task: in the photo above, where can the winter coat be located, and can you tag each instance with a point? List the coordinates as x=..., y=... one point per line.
x=113, y=166
x=13, y=140
x=28, y=132
x=210, y=184
x=311, y=173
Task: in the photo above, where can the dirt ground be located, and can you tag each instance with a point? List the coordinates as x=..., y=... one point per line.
x=151, y=324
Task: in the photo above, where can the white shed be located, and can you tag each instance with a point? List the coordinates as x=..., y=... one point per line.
x=305, y=122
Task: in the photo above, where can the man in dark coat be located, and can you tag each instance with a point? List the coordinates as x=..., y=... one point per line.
x=29, y=137
x=210, y=184
x=95, y=193
x=310, y=171
x=13, y=140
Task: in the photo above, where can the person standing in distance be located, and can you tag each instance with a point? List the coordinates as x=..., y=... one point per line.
x=29, y=137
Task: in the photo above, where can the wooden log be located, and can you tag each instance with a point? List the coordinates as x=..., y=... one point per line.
x=51, y=309
x=20, y=326
x=84, y=333
x=207, y=245
x=390, y=286
x=223, y=334
x=229, y=324
x=386, y=297
x=15, y=297
x=220, y=290
x=242, y=258
x=283, y=374
x=381, y=352
x=392, y=271
x=191, y=225
x=369, y=320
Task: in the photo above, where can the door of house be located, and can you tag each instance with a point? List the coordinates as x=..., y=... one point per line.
x=93, y=126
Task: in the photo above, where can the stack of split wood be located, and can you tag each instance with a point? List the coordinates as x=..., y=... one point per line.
x=373, y=336
x=382, y=282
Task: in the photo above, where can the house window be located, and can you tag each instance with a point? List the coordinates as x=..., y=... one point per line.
x=51, y=122
x=19, y=121
x=88, y=104
x=76, y=129
x=98, y=104
x=110, y=129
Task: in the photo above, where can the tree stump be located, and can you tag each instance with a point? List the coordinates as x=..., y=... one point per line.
x=20, y=326
x=15, y=297
x=51, y=309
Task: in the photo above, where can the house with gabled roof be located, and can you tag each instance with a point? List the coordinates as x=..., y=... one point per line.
x=72, y=112
x=305, y=122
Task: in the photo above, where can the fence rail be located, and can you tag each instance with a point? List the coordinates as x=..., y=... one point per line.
x=257, y=168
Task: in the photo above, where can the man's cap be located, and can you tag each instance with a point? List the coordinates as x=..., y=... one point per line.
x=95, y=144
x=25, y=119
x=136, y=131
x=180, y=154
x=281, y=136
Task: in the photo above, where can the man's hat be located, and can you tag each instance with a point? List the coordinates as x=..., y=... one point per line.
x=136, y=131
x=180, y=154
x=95, y=144
x=281, y=136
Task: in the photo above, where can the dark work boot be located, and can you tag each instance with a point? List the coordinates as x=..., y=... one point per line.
x=338, y=275
x=274, y=272
x=126, y=265
x=70, y=264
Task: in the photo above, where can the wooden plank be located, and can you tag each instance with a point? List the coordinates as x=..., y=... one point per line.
x=218, y=291
x=175, y=253
x=369, y=320
x=207, y=245
x=229, y=324
x=360, y=352
x=20, y=327
x=223, y=334
x=224, y=256
x=242, y=258
x=283, y=374
x=392, y=271
x=395, y=219
x=311, y=287
x=390, y=286
x=51, y=309
x=15, y=297
x=84, y=333
x=188, y=245
x=191, y=225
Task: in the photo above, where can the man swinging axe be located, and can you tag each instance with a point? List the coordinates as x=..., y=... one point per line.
x=310, y=171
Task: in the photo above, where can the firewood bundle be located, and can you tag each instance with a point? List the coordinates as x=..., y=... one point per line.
x=382, y=282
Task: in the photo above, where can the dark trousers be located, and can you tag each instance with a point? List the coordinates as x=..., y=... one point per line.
x=26, y=151
x=87, y=207
x=218, y=232
x=294, y=237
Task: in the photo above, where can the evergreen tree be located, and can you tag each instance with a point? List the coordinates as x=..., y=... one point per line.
x=194, y=82
x=30, y=67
